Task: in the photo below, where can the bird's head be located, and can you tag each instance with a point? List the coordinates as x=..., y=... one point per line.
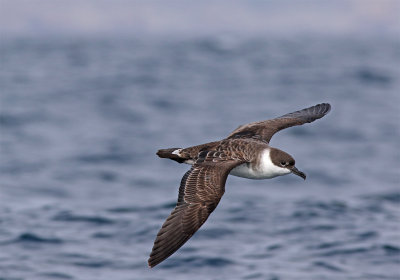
x=283, y=160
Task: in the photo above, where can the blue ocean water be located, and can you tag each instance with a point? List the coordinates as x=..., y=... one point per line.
x=82, y=193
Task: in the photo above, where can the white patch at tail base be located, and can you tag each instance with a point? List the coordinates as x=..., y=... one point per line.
x=177, y=152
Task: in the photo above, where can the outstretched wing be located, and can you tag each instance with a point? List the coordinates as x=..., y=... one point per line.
x=200, y=191
x=266, y=129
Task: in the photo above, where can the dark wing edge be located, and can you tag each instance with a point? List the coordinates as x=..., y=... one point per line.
x=310, y=114
x=264, y=130
x=199, y=194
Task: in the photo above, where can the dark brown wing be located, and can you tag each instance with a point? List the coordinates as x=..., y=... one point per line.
x=201, y=189
x=266, y=129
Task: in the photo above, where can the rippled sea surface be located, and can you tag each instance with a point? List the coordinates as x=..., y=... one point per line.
x=83, y=195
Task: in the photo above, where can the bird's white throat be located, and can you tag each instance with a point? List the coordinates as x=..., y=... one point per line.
x=263, y=169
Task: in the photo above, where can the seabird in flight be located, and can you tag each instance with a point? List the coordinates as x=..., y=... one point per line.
x=245, y=153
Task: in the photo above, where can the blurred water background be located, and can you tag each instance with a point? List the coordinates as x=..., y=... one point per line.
x=82, y=193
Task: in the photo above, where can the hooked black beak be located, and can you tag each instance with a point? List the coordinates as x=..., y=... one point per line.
x=294, y=170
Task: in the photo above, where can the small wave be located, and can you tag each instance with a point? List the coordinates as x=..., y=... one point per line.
x=214, y=233
x=367, y=235
x=259, y=256
x=308, y=228
x=216, y=262
x=304, y=214
x=274, y=247
x=387, y=249
x=107, y=176
x=135, y=209
x=323, y=227
x=328, y=266
x=198, y=262
x=55, y=275
x=391, y=197
x=258, y=275
x=93, y=264
x=163, y=104
x=9, y=120
x=102, y=235
x=373, y=76
x=344, y=252
x=391, y=249
x=326, y=245
x=123, y=209
x=34, y=238
x=68, y=217
x=84, y=260
x=73, y=256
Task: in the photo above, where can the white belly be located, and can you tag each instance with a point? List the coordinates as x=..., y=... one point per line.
x=244, y=170
x=265, y=169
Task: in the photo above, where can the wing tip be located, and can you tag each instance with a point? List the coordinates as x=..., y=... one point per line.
x=150, y=264
x=326, y=108
x=318, y=111
x=154, y=260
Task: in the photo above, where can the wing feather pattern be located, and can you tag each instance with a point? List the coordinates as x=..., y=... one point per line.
x=264, y=130
x=199, y=194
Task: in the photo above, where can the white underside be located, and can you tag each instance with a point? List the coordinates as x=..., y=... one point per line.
x=265, y=170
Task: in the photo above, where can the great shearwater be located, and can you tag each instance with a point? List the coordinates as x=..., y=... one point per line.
x=245, y=153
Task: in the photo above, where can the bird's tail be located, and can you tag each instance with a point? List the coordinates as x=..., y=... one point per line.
x=171, y=153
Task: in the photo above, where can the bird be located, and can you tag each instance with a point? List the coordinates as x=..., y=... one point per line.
x=245, y=153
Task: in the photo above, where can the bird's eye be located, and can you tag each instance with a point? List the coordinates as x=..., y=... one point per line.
x=283, y=163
